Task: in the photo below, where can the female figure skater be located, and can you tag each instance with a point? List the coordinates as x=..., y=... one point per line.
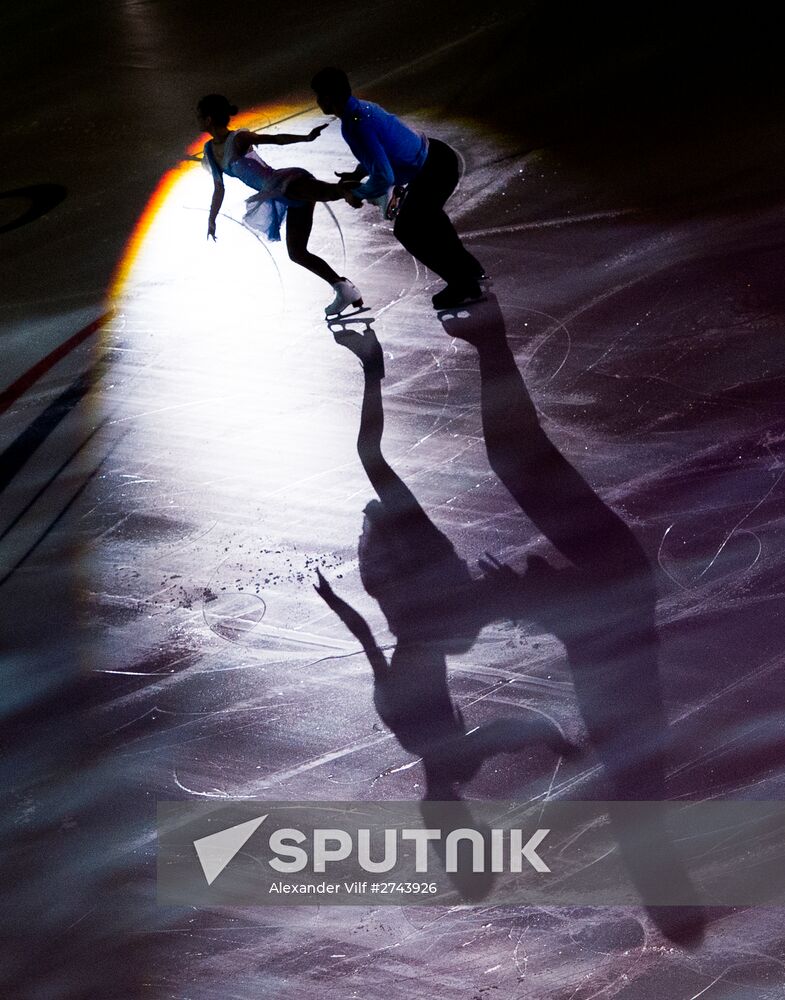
x=281, y=194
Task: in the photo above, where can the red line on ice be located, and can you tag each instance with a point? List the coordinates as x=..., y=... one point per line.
x=31, y=376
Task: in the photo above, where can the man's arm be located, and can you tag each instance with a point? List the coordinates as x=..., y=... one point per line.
x=366, y=147
x=352, y=177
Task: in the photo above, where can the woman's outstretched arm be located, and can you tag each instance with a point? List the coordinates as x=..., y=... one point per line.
x=245, y=139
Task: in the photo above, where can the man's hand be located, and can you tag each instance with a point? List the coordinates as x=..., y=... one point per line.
x=352, y=199
x=317, y=131
x=350, y=178
x=499, y=573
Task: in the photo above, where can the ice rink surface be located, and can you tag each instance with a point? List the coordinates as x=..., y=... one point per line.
x=179, y=433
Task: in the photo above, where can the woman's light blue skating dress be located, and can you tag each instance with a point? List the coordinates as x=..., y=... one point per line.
x=265, y=210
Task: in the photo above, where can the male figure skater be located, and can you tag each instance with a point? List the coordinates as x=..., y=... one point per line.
x=390, y=154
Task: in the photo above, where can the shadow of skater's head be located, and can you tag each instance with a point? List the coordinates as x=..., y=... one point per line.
x=423, y=587
x=332, y=90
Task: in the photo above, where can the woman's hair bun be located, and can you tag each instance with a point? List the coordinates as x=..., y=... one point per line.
x=217, y=107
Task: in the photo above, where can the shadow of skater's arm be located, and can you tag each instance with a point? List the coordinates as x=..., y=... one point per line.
x=355, y=622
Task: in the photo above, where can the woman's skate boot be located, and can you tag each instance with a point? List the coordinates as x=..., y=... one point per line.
x=346, y=294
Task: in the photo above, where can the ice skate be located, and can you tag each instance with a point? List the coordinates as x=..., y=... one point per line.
x=346, y=294
x=395, y=204
x=453, y=296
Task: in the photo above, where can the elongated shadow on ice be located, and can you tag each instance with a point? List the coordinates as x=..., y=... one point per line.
x=601, y=606
x=435, y=608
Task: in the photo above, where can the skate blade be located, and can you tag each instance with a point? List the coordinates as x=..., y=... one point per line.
x=347, y=312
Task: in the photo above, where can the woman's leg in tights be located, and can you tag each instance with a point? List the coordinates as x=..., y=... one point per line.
x=299, y=221
x=309, y=188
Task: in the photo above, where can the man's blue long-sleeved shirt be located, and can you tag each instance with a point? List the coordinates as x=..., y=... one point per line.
x=389, y=151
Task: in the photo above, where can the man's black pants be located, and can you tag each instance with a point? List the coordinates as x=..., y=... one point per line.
x=423, y=226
